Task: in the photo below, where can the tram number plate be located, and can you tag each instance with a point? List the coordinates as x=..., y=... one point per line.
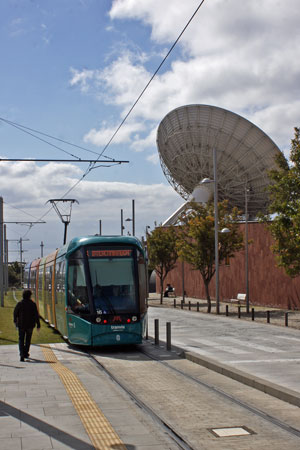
x=117, y=327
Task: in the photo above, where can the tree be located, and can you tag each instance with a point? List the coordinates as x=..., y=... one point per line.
x=162, y=252
x=196, y=239
x=285, y=204
x=14, y=270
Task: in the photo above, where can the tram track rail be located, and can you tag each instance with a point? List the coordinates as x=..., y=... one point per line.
x=271, y=419
x=179, y=440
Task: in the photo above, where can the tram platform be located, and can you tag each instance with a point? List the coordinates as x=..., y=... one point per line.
x=256, y=353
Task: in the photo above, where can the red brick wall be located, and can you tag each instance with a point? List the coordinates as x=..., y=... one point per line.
x=268, y=284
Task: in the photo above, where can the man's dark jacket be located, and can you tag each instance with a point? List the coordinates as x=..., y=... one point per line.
x=26, y=315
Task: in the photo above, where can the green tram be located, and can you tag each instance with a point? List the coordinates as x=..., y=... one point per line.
x=93, y=290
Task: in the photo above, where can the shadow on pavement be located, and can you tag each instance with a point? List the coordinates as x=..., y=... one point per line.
x=49, y=430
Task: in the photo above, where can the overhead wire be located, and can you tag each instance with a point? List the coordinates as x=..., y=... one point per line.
x=19, y=209
x=24, y=129
x=92, y=165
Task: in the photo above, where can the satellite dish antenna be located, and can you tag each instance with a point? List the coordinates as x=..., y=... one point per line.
x=186, y=138
x=66, y=217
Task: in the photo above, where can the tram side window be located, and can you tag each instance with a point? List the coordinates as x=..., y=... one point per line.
x=77, y=290
x=26, y=277
x=32, y=279
x=48, y=278
x=60, y=282
x=142, y=279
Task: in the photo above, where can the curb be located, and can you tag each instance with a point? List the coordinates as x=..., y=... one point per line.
x=275, y=390
x=282, y=393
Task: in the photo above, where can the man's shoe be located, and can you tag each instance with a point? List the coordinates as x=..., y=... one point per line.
x=27, y=355
x=21, y=359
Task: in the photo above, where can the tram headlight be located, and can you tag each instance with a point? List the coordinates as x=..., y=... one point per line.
x=134, y=318
x=98, y=319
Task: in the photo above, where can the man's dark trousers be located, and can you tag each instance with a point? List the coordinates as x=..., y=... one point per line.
x=24, y=341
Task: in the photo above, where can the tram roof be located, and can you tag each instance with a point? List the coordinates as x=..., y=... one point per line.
x=77, y=242
x=97, y=239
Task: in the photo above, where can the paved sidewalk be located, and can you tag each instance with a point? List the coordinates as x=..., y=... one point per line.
x=261, y=355
x=59, y=400
x=277, y=316
x=35, y=409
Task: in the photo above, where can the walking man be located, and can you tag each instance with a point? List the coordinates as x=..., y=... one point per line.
x=26, y=317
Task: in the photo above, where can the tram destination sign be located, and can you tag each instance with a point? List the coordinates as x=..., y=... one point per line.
x=109, y=253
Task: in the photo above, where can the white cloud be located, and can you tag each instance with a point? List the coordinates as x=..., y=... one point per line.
x=241, y=56
x=140, y=144
x=165, y=27
x=154, y=158
x=82, y=78
x=102, y=136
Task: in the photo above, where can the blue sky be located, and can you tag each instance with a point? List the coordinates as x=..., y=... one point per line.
x=73, y=68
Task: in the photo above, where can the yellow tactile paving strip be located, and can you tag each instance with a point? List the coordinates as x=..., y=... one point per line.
x=98, y=428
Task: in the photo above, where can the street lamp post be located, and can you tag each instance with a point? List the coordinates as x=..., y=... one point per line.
x=132, y=219
x=246, y=251
x=216, y=229
x=215, y=181
x=216, y=220
x=146, y=231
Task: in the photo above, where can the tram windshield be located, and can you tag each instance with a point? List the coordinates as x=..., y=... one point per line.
x=112, y=279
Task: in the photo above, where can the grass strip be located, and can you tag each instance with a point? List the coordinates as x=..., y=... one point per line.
x=8, y=331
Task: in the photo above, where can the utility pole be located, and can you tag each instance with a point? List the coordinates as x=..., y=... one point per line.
x=100, y=227
x=5, y=252
x=21, y=266
x=1, y=253
x=21, y=259
x=42, y=249
x=122, y=226
x=133, y=219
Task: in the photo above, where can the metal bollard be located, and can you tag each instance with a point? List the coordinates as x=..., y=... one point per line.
x=174, y=302
x=168, y=331
x=252, y=311
x=198, y=306
x=268, y=316
x=286, y=316
x=189, y=305
x=156, y=331
x=239, y=312
x=226, y=310
x=181, y=304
